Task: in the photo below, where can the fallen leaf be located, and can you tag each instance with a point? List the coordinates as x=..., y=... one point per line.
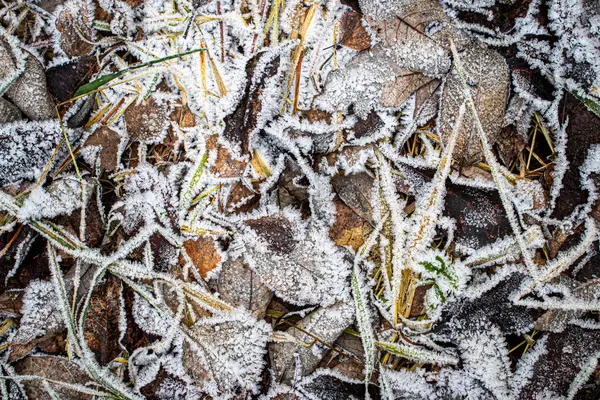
x=326, y=324
x=240, y=286
x=55, y=368
x=73, y=22
x=487, y=73
x=147, y=121
x=109, y=141
x=101, y=329
x=204, y=253
x=353, y=34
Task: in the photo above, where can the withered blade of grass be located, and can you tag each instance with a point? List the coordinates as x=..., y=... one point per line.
x=297, y=86
x=10, y=243
x=299, y=49
x=218, y=78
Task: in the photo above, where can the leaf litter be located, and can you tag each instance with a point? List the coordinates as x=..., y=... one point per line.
x=299, y=199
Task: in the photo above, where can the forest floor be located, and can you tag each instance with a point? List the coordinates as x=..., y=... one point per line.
x=300, y=199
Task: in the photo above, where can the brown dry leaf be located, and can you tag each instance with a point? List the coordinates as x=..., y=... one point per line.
x=242, y=199
x=226, y=165
x=413, y=20
x=240, y=124
x=8, y=112
x=353, y=34
x=74, y=22
x=291, y=191
x=355, y=191
x=11, y=302
x=102, y=322
x=188, y=118
x=29, y=92
x=65, y=79
x=487, y=73
x=348, y=228
x=55, y=368
x=52, y=344
x=510, y=144
x=367, y=126
x=404, y=85
x=147, y=121
x=204, y=254
x=349, y=367
x=238, y=285
x=314, y=115
x=109, y=141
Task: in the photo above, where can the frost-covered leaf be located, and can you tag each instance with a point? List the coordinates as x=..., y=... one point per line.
x=74, y=20
x=8, y=112
x=241, y=286
x=62, y=197
x=355, y=191
x=147, y=121
x=55, y=368
x=489, y=304
x=103, y=321
x=325, y=384
x=487, y=75
x=40, y=311
x=240, y=125
x=109, y=142
x=230, y=349
x=293, y=360
x=565, y=366
x=29, y=91
x=26, y=147
x=298, y=262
